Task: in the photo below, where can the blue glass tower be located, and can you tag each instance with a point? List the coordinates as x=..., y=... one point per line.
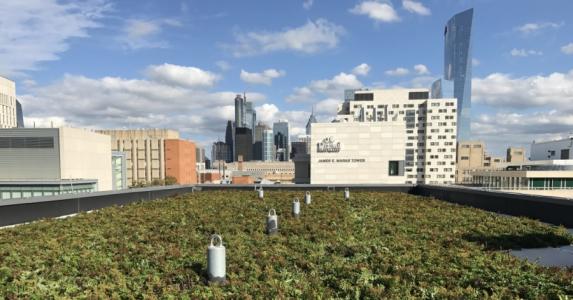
x=458, y=68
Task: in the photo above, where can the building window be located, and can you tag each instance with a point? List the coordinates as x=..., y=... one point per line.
x=418, y=95
x=564, y=154
x=395, y=168
x=364, y=97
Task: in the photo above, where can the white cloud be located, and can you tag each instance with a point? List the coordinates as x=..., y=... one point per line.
x=524, y=52
x=534, y=28
x=36, y=31
x=416, y=7
x=314, y=36
x=567, y=49
x=332, y=88
x=307, y=4
x=327, y=106
x=138, y=33
x=503, y=90
x=112, y=102
x=361, y=70
x=526, y=108
x=378, y=11
x=398, y=72
x=266, y=77
x=181, y=75
x=475, y=62
x=421, y=69
x=223, y=65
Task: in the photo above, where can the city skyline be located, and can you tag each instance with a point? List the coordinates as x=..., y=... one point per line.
x=180, y=65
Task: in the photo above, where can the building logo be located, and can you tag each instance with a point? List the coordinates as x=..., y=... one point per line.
x=328, y=145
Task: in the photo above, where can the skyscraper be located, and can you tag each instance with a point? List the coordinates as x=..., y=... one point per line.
x=281, y=132
x=258, y=141
x=311, y=119
x=19, y=115
x=268, y=145
x=229, y=140
x=243, y=144
x=458, y=68
x=221, y=151
x=239, y=111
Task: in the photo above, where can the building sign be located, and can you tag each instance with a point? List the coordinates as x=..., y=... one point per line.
x=328, y=145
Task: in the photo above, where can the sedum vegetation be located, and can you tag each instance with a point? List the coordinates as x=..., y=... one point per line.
x=377, y=245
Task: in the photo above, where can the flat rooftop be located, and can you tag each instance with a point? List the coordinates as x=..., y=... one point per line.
x=376, y=245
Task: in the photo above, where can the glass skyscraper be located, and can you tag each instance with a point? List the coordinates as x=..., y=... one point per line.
x=458, y=69
x=268, y=145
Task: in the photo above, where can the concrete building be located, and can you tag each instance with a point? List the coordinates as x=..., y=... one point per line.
x=146, y=154
x=515, y=155
x=281, y=132
x=556, y=149
x=470, y=157
x=180, y=161
x=8, y=104
x=387, y=136
x=540, y=177
x=490, y=161
x=199, y=154
x=52, y=161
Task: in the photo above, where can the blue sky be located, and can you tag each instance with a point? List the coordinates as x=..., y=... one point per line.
x=177, y=64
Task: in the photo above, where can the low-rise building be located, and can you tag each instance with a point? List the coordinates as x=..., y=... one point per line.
x=556, y=149
x=154, y=155
x=53, y=161
x=534, y=177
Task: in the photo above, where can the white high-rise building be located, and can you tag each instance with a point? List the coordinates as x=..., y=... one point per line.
x=387, y=136
x=8, y=109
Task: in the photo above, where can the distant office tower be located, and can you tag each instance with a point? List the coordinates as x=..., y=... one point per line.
x=311, y=119
x=239, y=111
x=8, y=110
x=243, y=144
x=221, y=152
x=199, y=154
x=268, y=145
x=19, y=115
x=458, y=68
x=258, y=141
x=250, y=116
x=229, y=139
x=281, y=131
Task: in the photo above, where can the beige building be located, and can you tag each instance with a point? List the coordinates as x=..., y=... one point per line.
x=8, y=112
x=52, y=161
x=401, y=120
x=145, y=150
x=540, y=177
x=515, y=155
x=470, y=156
